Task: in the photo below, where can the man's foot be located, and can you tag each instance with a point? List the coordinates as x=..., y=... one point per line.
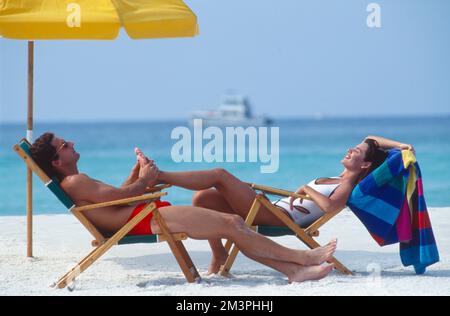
x=319, y=255
x=216, y=263
x=311, y=273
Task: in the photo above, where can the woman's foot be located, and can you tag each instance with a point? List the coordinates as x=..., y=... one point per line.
x=216, y=263
x=319, y=255
x=143, y=160
x=310, y=273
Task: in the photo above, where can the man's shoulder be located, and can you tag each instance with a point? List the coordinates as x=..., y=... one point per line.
x=74, y=180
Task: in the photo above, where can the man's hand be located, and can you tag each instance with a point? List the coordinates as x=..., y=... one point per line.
x=149, y=173
x=134, y=175
x=148, y=169
x=135, y=172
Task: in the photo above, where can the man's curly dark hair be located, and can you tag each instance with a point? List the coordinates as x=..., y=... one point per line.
x=43, y=153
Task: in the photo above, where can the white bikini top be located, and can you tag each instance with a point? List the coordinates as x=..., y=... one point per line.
x=324, y=188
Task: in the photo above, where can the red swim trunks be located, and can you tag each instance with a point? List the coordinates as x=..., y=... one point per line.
x=144, y=227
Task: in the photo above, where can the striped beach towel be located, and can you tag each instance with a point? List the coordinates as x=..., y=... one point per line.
x=390, y=203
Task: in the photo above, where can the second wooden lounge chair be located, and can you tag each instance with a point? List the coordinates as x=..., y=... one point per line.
x=305, y=234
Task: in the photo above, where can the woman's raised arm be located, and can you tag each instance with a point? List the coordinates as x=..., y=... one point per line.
x=386, y=143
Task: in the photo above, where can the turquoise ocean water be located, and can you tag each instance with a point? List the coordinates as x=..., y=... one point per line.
x=308, y=149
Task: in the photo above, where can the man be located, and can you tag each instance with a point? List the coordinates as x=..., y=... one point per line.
x=58, y=158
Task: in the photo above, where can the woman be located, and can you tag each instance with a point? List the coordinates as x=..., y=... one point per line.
x=221, y=191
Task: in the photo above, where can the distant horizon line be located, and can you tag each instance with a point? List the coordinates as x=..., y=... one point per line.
x=313, y=117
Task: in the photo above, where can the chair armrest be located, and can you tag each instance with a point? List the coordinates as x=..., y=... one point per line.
x=158, y=188
x=145, y=197
x=279, y=192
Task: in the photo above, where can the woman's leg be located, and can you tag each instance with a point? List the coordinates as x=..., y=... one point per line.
x=200, y=223
x=237, y=194
x=213, y=200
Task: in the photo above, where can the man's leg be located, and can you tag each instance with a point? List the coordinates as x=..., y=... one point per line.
x=191, y=220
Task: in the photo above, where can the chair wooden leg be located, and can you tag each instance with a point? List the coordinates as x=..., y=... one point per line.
x=176, y=237
x=341, y=267
x=67, y=278
x=300, y=233
x=179, y=251
x=225, y=269
x=103, y=248
x=228, y=245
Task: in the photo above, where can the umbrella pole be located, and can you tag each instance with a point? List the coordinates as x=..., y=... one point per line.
x=30, y=139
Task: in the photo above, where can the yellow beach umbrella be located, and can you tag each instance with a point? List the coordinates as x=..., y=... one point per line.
x=88, y=20
x=95, y=19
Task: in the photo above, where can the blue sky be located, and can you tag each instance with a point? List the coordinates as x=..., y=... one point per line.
x=292, y=58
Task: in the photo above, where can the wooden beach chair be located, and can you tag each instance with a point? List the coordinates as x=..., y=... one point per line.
x=305, y=234
x=103, y=243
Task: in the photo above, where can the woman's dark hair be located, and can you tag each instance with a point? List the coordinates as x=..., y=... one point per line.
x=375, y=154
x=43, y=153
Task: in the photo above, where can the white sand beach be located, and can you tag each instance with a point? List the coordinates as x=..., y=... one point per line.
x=60, y=241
